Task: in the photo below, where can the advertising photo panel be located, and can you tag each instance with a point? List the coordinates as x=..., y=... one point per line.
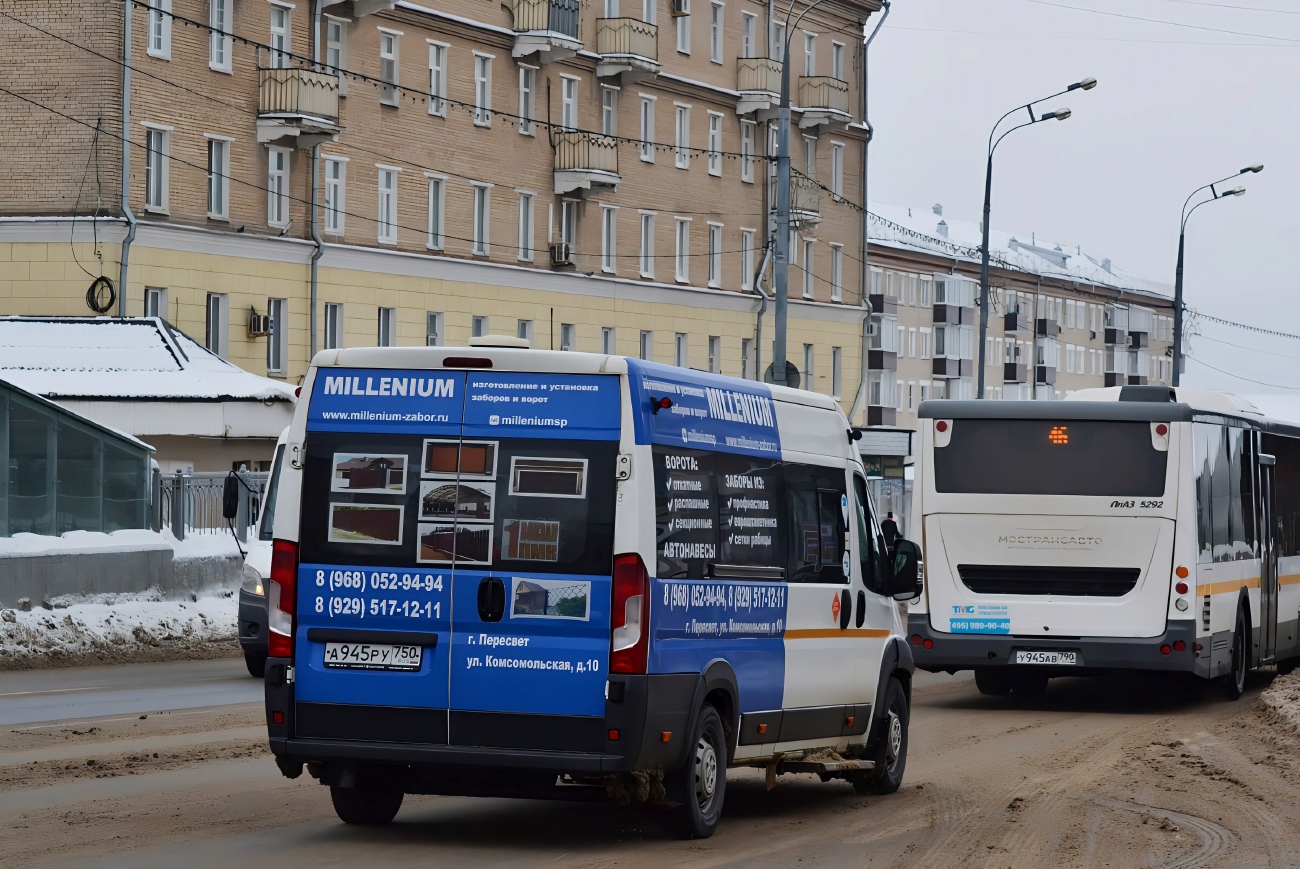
x=448, y=543
x=449, y=458
x=369, y=474
x=366, y=523
x=469, y=500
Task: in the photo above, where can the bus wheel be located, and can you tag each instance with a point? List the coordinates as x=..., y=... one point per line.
x=366, y=803
x=1286, y=666
x=700, y=786
x=993, y=682
x=1234, y=684
x=890, y=753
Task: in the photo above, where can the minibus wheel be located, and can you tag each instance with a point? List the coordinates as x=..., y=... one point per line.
x=368, y=804
x=256, y=665
x=1234, y=684
x=700, y=786
x=1286, y=666
x=890, y=754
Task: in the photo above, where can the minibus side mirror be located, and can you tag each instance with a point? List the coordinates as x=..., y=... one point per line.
x=905, y=573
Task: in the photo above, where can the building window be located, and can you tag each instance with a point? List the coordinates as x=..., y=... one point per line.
x=277, y=186
x=608, y=238
x=809, y=54
x=611, y=8
x=747, y=259
x=778, y=41
x=438, y=79
x=647, y=346
x=525, y=252
x=747, y=151
x=478, y=327
x=218, y=178
x=481, y=224
x=837, y=272
x=608, y=110
x=387, y=205
x=155, y=302
x=388, y=66
x=437, y=203
x=808, y=273
x=569, y=222
x=648, y=11
x=683, y=136
x=277, y=338
x=746, y=357
x=336, y=50
x=433, y=334
x=336, y=170
x=836, y=372
x=160, y=29
x=647, y=245
x=333, y=325
x=748, y=27
x=527, y=99
x=607, y=342
x=647, y=128
x=681, y=345
x=715, y=32
x=682, y=259
x=219, y=35
x=281, y=37
x=567, y=336
x=715, y=143
x=683, y=25
x=837, y=60
x=810, y=156
x=715, y=354
x=715, y=254
x=218, y=315
x=482, y=90
x=837, y=169
x=387, y=327
x=808, y=366
x=157, y=142
x=568, y=102
x=524, y=330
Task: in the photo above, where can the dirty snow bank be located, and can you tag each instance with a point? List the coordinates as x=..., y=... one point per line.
x=220, y=545
x=1282, y=699
x=118, y=628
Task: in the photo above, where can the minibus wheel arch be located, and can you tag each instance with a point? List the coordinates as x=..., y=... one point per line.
x=717, y=686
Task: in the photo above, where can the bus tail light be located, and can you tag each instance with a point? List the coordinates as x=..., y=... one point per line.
x=280, y=593
x=1165, y=649
x=1179, y=646
x=630, y=616
x=1181, y=588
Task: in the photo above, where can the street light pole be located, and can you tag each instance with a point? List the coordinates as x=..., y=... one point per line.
x=1215, y=195
x=1086, y=84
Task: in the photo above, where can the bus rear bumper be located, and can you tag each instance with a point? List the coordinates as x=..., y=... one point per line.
x=951, y=652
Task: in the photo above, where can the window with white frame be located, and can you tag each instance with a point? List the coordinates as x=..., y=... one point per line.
x=608, y=238
x=716, y=11
x=747, y=259
x=808, y=361
x=647, y=128
x=336, y=50
x=281, y=36
x=681, y=350
x=569, y=102
x=810, y=156
x=715, y=254
x=388, y=94
x=569, y=222
x=647, y=257
x=482, y=89
x=277, y=337
x=715, y=143
x=217, y=323
x=777, y=52
x=837, y=272
x=160, y=29
x=527, y=98
x=387, y=336
x=607, y=339
x=218, y=176
x=333, y=325
x=481, y=224
x=747, y=151
x=837, y=372
x=837, y=168
x=808, y=274
x=809, y=53
x=926, y=338
x=155, y=302
x=219, y=42
x=526, y=208
x=434, y=336
x=524, y=330
x=648, y=11
x=611, y=8
x=837, y=60
x=683, y=25
x=435, y=238
x=682, y=138
x=336, y=175
x=748, y=29
x=438, y=78
x=646, y=348
x=157, y=158
x=715, y=354
x=387, y=204
x=746, y=358
x=608, y=110
x=568, y=336
x=277, y=186
x=682, y=258
x=478, y=327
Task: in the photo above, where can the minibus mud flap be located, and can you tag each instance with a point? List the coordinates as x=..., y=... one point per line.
x=897, y=657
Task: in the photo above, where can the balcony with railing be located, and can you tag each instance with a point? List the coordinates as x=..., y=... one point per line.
x=759, y=81
x=628, y=48
x=882, y=347
x=824, y=101
x=584, y=161
x=805, y=201
x=297, y=106
x=546, y=29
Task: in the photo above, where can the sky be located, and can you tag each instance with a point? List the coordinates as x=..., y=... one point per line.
x=1178, y=105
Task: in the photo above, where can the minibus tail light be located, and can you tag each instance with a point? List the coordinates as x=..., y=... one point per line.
x=630, y=616
x=280, y=593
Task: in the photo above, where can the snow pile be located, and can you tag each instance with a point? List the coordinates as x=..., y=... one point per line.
x=1282, y=699
x=118, y=628
x=221, y=545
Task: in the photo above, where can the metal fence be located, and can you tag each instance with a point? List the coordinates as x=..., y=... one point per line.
x=192, y=503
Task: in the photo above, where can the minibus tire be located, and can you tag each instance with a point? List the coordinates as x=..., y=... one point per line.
x=1286, y=666
x=1234, y=683
x=256, y=665
x=993, y=681
x=700, y=786
x=366, y=804
x=890, y=752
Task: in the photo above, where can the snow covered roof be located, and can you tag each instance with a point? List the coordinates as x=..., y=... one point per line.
x=920, y=229
x=138, y=359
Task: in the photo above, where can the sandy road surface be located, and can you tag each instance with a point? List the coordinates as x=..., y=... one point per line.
x=1131, y=772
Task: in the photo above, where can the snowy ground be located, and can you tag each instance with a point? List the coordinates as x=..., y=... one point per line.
x=90, y=542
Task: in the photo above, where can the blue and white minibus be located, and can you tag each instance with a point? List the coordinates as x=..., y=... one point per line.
x=505, y=571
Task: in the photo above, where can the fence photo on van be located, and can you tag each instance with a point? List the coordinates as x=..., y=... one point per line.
x=366, y=523
x=362, y=474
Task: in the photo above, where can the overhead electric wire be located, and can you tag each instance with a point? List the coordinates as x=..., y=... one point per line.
x=1239, y=376
x=1160, y=21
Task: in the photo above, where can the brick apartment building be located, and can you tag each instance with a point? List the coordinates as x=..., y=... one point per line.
x=591, y=176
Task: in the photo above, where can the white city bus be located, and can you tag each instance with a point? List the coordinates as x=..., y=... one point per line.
x=1135, y=527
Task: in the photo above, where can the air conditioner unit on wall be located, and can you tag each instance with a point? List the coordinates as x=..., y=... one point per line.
x=259, y=325
x=561, y=254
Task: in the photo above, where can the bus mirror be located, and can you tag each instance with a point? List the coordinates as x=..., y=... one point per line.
x=905, y=578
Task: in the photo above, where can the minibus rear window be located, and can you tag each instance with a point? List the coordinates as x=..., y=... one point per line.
x=1046, y=457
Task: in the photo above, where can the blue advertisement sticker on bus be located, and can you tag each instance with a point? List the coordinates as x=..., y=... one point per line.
x=703, y=411
x=385, y=400
x=561, y=406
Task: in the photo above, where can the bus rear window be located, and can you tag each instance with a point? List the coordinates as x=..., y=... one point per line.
x=1050, y=457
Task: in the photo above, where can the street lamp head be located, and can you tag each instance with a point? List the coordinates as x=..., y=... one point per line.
x=1239, y=191
x=1258, y=167
x=1058, y=115
x=1086, y=84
